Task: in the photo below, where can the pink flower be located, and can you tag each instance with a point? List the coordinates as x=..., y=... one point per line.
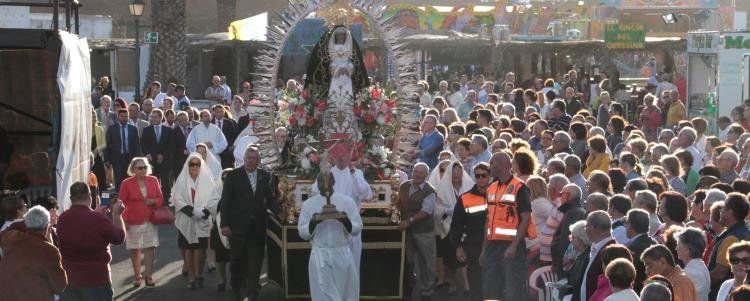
x=292, y=121
x=314, y=158
x=300, y=111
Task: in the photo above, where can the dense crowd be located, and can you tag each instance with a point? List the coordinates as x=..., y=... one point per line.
x=619, y=201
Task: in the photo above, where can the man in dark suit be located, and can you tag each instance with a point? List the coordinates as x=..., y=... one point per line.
x=248, y=192
x=599, y=232
x=570, y=200
x=229, y=128
x=118, y=154
x=156, y=143
x=636, y=225
x=180, y=133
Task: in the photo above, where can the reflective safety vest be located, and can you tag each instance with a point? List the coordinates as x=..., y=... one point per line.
x=473, y=203
x=502, y=211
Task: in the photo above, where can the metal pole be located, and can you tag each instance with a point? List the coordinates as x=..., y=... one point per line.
x=56, y=14
x=77, y=20
x=136, y=96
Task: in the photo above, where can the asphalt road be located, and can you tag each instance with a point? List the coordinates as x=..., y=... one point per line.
x=170, y=285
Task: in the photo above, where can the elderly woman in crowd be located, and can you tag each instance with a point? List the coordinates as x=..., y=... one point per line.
x=598, y=158
x=739, y=259
x=576, y=268
x=141, y=194
x=691, y=243
x=452, y=184
x=195, y=201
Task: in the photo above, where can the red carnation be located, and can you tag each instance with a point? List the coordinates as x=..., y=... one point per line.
x=391, y=103
x=369, y=119
x=321, y=106
x=357, y=111
x=305, y=94
x=310, y=122
x=292, y=121
x=375, y=94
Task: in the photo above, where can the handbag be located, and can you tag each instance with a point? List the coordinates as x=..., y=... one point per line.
x=162, y=216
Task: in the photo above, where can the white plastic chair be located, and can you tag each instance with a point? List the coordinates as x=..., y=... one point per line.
x=547, y=275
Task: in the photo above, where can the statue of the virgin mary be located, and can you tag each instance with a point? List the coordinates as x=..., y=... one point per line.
x=336, y=72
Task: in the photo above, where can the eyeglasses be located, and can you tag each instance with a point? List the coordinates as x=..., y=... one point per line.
x=139, y=167
x=194, y=164
x=738, y=260
x=481, y=175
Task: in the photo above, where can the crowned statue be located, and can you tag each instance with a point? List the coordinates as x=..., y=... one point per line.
x=336, y=72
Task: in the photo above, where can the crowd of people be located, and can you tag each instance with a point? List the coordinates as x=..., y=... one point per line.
x=640, y=204
x=617, y=205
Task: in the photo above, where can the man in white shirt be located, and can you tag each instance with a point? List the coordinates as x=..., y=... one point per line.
x=618, y=207
x=208, y=133
x=686, y=139
x=599, y=231
x=690, y=245
x=455, y=98
x=425, y=99
x=351, y=182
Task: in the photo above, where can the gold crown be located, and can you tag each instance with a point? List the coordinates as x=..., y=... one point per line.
x=340, y=12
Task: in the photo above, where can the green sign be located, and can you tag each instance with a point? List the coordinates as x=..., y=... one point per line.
x=625, y=36
x=736, y=42
x=151, y=37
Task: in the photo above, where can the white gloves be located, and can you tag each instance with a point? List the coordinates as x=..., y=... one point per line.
x=198, y=213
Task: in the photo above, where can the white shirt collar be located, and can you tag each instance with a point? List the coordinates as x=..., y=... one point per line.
x=599, y=245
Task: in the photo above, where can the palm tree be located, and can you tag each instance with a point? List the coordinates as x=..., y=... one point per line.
x=168, y=60
x=224, y=14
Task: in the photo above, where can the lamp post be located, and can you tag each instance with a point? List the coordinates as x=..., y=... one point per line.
x=136, y=10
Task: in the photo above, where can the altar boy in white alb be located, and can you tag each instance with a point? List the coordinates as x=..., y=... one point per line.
x=349, y=182
x=333, y=274
x=207, y=133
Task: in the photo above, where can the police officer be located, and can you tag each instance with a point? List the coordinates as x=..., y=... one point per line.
x=467, y=228
x=503, y=257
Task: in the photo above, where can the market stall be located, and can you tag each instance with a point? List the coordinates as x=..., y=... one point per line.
x=718, y=74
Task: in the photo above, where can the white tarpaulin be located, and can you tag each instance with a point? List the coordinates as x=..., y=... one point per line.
x=74, y=80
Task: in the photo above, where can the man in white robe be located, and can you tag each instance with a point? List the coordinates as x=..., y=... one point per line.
x=349, y=182
x=207, y=133
x=333, y=274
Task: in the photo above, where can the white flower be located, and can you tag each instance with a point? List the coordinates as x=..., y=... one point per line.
x=305, y=163
x=387, y=172
x=302, y=121
x=380, y=120
x=310, y=139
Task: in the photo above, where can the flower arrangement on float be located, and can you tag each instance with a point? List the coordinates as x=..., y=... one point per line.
x=302, y=114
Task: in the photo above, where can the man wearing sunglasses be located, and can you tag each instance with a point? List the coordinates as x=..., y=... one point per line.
x=467, y=228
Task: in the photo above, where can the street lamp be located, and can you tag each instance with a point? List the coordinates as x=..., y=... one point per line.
x=136, y=10
x=672, y=18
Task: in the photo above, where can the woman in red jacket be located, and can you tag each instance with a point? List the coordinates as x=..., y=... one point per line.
x=141, y=194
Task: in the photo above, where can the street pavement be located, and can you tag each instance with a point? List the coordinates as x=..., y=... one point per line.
x=170, y=285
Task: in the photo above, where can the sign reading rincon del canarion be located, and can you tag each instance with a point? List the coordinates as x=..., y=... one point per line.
x=625, y=36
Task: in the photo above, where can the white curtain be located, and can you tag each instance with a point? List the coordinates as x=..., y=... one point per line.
x=74, y=81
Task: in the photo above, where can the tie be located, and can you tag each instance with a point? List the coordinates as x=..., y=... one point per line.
x=158, y=133
x=252, y=181
x=185, y=132
x=218, y=123
x=123, y=139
